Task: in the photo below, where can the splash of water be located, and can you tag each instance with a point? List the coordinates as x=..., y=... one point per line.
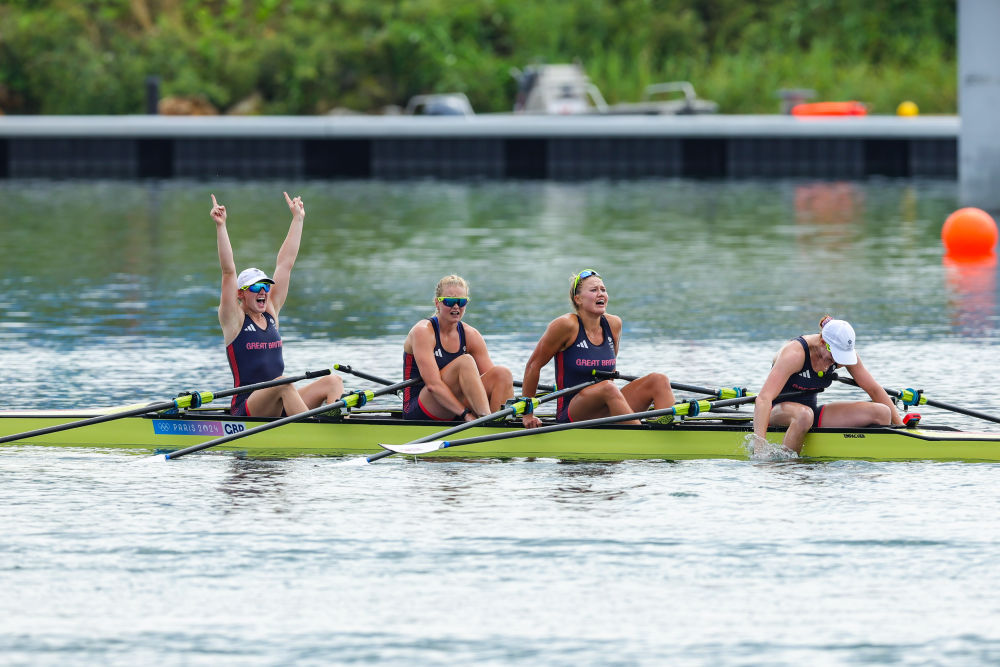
x=760, y=449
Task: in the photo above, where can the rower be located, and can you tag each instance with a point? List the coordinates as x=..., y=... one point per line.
x=585, y=340
x=248, y=312
x=807, y=364
x=458, y=379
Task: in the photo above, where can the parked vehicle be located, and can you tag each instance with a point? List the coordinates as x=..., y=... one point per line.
x=442, y=104
x=566, y=89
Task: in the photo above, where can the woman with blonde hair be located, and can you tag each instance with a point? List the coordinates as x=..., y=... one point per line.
x=458, y=379
x=585, y=340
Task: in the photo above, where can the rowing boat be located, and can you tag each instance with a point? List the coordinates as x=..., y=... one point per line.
x=356, y=434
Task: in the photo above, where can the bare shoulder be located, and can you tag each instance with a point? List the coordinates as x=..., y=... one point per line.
x=419, y=333
x=472, y=333
x=790, y=357
x=615, y=322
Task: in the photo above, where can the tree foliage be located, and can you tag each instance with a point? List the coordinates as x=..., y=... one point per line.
x=307, y=57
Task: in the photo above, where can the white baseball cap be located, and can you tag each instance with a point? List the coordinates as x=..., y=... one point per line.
x=250, y=276
x=839, y=335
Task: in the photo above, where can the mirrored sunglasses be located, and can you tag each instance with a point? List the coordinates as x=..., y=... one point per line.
x=451, y=301
x=256, y=287
x=586, y=273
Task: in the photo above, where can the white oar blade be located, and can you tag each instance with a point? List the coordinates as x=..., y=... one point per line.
x=416, y=447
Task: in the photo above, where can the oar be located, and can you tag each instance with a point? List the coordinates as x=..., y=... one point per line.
x=374, y=378
x=540, y=387
x=690, y=408
x=524, y=406
x=916, y=397
x=357, y=398
x=725, y=392
x=181, y=402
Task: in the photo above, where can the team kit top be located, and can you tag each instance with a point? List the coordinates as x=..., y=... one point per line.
x=575, y=364
x=411, y=395
x=254, y=356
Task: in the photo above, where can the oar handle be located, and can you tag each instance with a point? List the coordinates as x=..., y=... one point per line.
x=920, y=399
x=348, y=401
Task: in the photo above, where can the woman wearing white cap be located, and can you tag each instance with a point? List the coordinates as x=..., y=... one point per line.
x=807, y=364
x=248, y=313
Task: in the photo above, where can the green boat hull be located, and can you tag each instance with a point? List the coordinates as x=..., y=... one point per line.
x=361, y=434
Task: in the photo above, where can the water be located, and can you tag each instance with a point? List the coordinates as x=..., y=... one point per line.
x=108, y=295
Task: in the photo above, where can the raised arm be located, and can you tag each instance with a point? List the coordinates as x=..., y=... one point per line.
x=229, y=309
x=875, y=391
x=288, y=253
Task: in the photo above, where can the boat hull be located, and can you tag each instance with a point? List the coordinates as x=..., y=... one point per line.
x=360, y=435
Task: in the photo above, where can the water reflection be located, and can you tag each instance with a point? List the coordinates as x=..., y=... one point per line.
x=972, y=290
x=253, y=482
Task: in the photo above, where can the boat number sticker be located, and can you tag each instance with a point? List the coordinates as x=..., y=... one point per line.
x=854, y=435
x=206, y=428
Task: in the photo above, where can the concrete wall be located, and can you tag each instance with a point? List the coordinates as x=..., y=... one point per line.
x=979, y=103
x=487, y=146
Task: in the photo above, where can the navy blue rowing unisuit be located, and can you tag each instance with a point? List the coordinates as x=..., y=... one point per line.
x=254, y=356
x=810, y=381
x=411, y=395
x=576, y=363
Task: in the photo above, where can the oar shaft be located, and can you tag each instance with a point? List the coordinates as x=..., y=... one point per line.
x=933, y=403
x=374, y=378
x=365, y=376
x=539, y=387
x=680, y=386
x=649, y=414
x=163, y=405
x=286, y=420
x=512, y=410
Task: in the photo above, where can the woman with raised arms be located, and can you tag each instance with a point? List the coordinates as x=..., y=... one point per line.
x=807, y=364
x=585, y=340
x=248, y=313
x=458, y=379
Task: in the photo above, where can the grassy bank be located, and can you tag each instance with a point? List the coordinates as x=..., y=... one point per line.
x=304, y=57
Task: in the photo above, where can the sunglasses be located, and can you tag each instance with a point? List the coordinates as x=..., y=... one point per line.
x=586, y=273
x=452, y=301
x=256, y=287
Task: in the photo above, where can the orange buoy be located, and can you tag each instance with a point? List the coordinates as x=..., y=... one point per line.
x=830, y=109
x=969, y=234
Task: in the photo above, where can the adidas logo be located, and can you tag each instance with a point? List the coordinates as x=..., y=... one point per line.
x=583, y=344
x=437, y=352
x=250, y=327
x=806, y=374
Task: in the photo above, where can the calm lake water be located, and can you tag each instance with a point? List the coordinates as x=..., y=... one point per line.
x=108, y=295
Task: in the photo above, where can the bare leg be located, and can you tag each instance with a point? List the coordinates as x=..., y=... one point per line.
x=271, y=401
x=603, y=399
x=798, y=418
x=499, y=385
x=649, y=389
x=327, y=390
x=860, y=413
x=462, y=378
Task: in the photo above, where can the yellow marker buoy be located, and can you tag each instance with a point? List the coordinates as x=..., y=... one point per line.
x=907, y=108
x=969, y=234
